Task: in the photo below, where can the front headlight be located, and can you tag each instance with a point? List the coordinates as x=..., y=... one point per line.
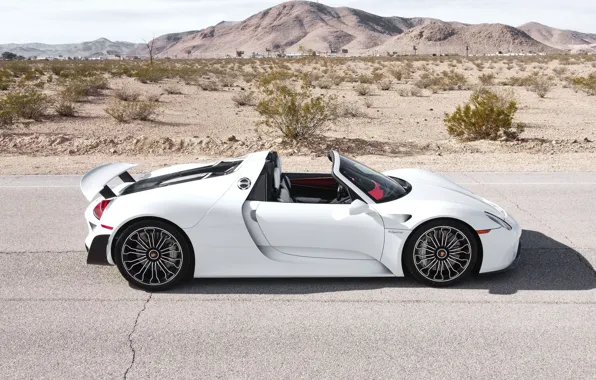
x=499, y=221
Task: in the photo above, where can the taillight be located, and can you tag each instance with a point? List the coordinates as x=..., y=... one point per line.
x=100, y=208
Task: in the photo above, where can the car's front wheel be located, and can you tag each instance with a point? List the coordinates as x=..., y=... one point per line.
x=152, y=255
x=441, y=252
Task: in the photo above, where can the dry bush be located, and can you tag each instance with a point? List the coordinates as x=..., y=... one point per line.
x=397, y=73
x=24, y=103
x=209, y=85
x=127, y=94
x=324, y=84
x=560, y=71
x=526, y=81
x=151, y=74
x=244, y=98
x=541, y=86
x=453, y=80
x=410, y=91
x=363, y=89
x=348, y=110
x=173, y=90
x=125, y=112
x=296, y=113
x=76, y=89
x=366, y=79
x=368, y=102
x=336, y=78
x=585, y=84
x=487, y=79
x=227, y=80
x=66, y=108
x=155, y=98
x=385, y=84
x=487, y=116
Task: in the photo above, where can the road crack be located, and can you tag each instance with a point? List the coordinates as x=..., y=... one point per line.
x=130, y=339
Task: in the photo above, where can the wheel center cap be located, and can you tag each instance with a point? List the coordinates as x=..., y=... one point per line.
x=442, y=253
x=153, y=254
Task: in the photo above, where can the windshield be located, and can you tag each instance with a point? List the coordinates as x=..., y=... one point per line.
x=376, y=185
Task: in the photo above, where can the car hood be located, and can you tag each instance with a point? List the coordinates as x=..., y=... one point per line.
x=429, y=186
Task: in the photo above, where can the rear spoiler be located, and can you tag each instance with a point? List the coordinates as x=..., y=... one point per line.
x=96, y=181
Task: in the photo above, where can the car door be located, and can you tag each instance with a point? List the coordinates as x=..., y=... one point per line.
x=321, y=230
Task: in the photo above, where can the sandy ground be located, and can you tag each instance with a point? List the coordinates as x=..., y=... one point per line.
x=396, y=131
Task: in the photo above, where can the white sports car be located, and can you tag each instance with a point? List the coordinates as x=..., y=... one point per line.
x=245, y=217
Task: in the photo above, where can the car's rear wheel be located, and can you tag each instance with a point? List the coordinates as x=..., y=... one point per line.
x=153, y=255
x=441, y=252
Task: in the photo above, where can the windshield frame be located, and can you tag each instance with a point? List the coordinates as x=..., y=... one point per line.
x=336, y=158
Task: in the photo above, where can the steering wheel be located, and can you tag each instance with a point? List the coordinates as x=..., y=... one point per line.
x=342, y=193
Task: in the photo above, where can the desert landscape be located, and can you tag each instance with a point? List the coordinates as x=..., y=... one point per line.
x=388, y=111
x=381, y=101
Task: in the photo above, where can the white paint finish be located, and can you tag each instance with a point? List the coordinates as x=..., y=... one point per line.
x=321, y=230
x=96, y=179
x=294, y=239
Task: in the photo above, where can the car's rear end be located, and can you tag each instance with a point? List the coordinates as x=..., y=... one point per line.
x=94, y=186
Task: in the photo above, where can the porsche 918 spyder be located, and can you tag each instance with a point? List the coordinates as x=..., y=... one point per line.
x=246, y=217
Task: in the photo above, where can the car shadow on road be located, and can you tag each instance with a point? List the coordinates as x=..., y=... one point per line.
x=545, y=264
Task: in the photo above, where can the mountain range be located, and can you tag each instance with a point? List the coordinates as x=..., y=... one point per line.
x=303, y=25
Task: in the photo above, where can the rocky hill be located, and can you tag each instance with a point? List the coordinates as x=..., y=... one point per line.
x=304, y=25
x=91, y=49
x=559, y=38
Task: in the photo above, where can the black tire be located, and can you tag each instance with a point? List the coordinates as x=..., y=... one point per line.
x=445, y=259
x=179, y=263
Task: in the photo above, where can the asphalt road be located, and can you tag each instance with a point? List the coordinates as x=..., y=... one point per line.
x=61, y=319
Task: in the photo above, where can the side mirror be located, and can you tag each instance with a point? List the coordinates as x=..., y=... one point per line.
x=358, y=207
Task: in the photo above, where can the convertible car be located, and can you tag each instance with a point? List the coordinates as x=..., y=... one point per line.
x=246, y=217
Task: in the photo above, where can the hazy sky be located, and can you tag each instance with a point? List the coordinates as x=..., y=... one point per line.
x=62, y=21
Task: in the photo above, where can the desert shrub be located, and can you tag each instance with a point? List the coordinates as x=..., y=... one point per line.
x=362, y=89
x=365, y=79
x=244, y=98
x=155, y=98
x=296, y=113
x=487, y=79
x=173, y=90
x=453, y=80
x=125, y=112
x=25, y=103
x=249, y=77
x=397, y=73
x=78, y=88
x=585, y=84
x=64, y=107
x=336, y=79
x=127, y=94
x=541, y=86
x=526, y=81
x=151, y=74
x=429, y=81
x=385, y=85
x=560, y=71
x=209, y=85
x=324, y=84
x=348, y=110
x=279, y=76
x=227, y=80
x=368, y=102
x=4, y=86
x=487, y=116
x=410, y=91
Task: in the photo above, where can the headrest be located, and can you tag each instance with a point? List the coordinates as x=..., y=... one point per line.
x=277, y=178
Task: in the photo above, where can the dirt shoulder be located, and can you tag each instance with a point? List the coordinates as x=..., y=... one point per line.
x=491, y=162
